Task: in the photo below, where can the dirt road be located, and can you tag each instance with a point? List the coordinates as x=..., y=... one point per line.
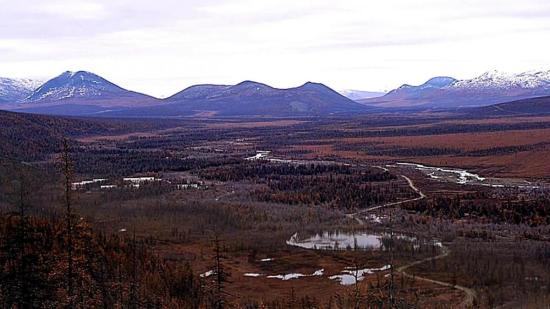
x=470, y=295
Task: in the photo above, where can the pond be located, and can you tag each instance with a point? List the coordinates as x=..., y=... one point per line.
x=343, y=241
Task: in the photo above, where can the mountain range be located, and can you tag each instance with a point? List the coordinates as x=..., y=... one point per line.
x=250, y=98
x=446, y=92
x=85, y=93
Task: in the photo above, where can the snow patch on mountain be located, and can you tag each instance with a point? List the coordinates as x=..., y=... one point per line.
x=502, y=80
x=79, y=84
x=491, y=87
x=15, y=89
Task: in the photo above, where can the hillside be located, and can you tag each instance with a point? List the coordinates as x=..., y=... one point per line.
x=78, y=94
x=33, y=137
x=533, y=106
x=83, y=86
x=251, y=99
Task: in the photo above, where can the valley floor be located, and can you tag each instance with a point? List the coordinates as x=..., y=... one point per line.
x=314, y=213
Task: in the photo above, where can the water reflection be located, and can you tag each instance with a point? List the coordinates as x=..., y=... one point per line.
x=344, y=241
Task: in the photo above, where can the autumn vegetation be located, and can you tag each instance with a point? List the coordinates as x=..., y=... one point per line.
x=186, y=239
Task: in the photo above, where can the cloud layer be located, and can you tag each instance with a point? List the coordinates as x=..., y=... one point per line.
x=160, y=47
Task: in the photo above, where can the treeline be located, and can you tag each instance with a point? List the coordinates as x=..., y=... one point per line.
x=121, y=162
x=338, y=191
x=533, y=212
x=274, y=171
x=381, y=150
x=318, y=132
x=506, y=150
x=336, y=185
x=261, y=169
x=436, y=129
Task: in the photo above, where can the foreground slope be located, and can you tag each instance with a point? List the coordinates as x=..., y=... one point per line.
x=26, y=137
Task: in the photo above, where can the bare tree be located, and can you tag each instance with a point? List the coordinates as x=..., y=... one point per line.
x=221, y=275
x=67, y=170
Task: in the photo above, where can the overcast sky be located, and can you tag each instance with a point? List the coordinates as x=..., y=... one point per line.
x=160, y=47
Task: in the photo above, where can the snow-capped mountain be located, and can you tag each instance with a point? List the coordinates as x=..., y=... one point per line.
x=85, y=93
x=501, y=80
x=489, y=88
x=13, y=90
x=79, y=86
x=360, y=94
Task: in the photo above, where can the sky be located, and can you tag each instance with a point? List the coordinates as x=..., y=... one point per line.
x=160, y=47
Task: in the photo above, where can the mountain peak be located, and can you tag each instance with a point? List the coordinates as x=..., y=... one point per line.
x=201, y=91
x=312, y=85
x=250, y=84
x=440, y=81
x=80, y=75
x=78, y=85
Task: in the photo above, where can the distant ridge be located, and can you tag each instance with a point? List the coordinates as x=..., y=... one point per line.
x=446, y=92
x=250, y=98
x=532, y=106
x=84, y=93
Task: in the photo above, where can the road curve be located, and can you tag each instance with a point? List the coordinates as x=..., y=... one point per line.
x=470, y=295
x=421, y=195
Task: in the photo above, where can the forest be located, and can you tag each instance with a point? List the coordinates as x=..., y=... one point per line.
x=176, y=214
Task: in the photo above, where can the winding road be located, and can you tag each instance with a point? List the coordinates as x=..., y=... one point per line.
x=470, y=295
x=421, y=195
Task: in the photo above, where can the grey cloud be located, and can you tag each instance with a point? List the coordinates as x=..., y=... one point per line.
x=28, y=21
